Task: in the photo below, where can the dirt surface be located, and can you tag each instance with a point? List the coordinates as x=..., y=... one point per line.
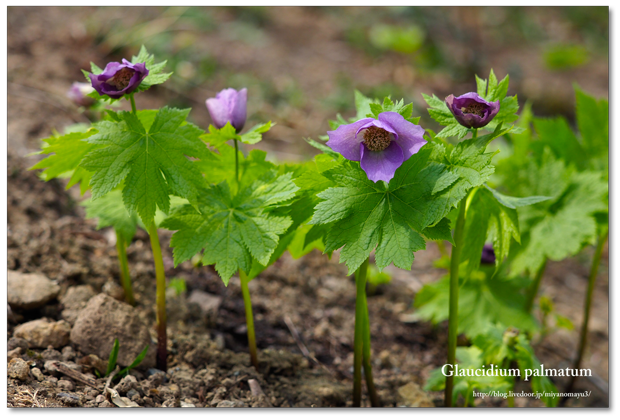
x=312, y=297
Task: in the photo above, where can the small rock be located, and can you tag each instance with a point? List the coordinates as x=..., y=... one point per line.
x=152, y=371
x=131, y=393
x=99, y=399
x=15, y=342
x=68, y=354
x=69, y=399
x=127, y=383
x=114, y=290
x=231, y=404
x=18, y=369
x=66, y=385
x=30, y=291
x=42, y=333
x=207, y=303
x=412, y=395
x=51, y=354
x=74, y=300
x=105, y=319
x=187, y=405
x=94, y=362
x=12, y=354
x=36, y=372
x=106, y=404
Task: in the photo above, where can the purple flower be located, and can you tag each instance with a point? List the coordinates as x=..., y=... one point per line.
x=488, y=255
x=77, y=93
x=229, y=106
x=471, y=111
x=119, y=79
x=380, y=146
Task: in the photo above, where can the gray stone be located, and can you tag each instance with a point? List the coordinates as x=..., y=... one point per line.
x=15, y=342
x=74, y=300
x=42, y=333
x=126, y=384
x=51, y=354
x=30, y=291
x=69, y=399
x=18, y=369
x=68, y=353
x=66, y=385
x=105, y=319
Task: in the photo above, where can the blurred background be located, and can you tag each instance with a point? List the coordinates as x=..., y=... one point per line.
x=301, y=64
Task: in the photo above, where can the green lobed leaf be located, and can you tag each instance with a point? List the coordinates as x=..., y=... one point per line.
x=153, y=162
x=256, y=133
x=111, y=212
x=156, y=75
x=233, y=229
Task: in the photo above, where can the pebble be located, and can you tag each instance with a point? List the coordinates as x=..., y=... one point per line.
x=30, y=291
x=66, y=385
x=231, y=404
x=68, y=353
x=99, y=399
x=42, y=333
x=106, y=404
x=69, y=399
x=105, y=319
x=15, y=353
x=15, y=342
x=51, y=354
x=18, y=369
x=114, y=290
x=126, y=384
x=131, y=393
x=39, y=376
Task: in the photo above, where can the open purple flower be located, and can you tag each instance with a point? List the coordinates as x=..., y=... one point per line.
x=77, y=93
x=229, y=105
x=380, y=145
x=488, y=255
x=119, y=79
x=471, y=111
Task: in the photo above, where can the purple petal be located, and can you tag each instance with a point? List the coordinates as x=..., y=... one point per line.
x=344, y=139
x=239, y=112
x=379, y=124
x=381, y=166
x=410, y=137
x=218, y=112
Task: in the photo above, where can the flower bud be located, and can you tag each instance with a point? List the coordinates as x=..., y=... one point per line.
x=471, y=111
x=229, y=106
x=78, y=94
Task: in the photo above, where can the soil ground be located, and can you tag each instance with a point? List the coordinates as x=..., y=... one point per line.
x=312, y=296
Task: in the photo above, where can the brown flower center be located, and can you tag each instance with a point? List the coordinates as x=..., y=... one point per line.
x=474, y=108
x=376, y=139
x=121, y=79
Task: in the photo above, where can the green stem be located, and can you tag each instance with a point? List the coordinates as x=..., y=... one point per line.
x=133, y=103
x=121, y=250
x=236, y=161
x=533, y=291
x=366, y=359
x=249, y=318
x=474, y=133
x=358, y=341
x=160, y=299
x=454, y=295
x=583, y=341
x=511, y=401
